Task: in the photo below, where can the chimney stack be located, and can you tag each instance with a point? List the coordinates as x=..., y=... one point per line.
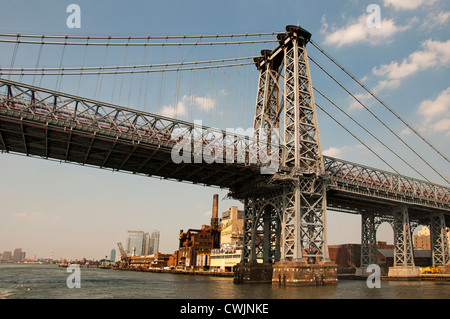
x=215, y=212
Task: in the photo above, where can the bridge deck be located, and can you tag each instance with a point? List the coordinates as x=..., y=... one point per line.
x=54, y=125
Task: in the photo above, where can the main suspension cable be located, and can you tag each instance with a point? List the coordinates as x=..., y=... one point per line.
x=380, y=101
x=141, y=66
x=147, y=37
x=371, y=150
x=371, y=134
x=129, y=71
x=136, y=43
x=374, y=115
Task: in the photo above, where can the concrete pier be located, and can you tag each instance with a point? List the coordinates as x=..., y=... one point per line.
x=300, y=273
x=404, y=272
x=253, y=273
x=293, y=273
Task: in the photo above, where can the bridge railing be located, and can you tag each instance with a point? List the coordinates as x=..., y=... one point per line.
x=353, y=176
x=201, y=142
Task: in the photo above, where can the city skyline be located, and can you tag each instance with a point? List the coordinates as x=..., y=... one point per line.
x=75, y=212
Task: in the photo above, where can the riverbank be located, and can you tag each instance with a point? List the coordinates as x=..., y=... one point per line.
x=422, y=277
x=179, y=271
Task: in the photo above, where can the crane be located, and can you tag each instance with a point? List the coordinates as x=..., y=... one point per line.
x=125, y=258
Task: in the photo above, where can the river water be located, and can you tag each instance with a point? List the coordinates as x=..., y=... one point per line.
x=34, y=281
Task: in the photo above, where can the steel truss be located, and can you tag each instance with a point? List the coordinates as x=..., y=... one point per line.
x=285, y=104
x=403, y=245
x=366, y=181
x=439, y=240
x=369, y=251
x=69, y=112
x=398, y=218
x=262, y=227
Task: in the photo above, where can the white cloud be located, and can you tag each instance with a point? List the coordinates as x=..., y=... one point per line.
x=355, y=105
x=432, y=54
x=435, y=20
x=436, y=114
x=335, y=151
x=188, y=101
x=357, y=31
x=407, y=4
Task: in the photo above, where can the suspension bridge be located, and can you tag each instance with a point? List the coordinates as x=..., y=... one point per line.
x=286, y=205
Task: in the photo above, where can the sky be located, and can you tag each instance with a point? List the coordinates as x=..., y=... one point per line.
x=400, y=50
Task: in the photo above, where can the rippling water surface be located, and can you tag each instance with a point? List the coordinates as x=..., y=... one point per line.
x=50, y=282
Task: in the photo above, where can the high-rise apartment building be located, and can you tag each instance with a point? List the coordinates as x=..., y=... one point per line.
x=135, y=243
x=6, y=256
x=154, y=243
x=17, y=256
x=140, y=243
x=112, y=255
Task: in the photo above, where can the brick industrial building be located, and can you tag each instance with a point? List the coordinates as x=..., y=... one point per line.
x=196, y=244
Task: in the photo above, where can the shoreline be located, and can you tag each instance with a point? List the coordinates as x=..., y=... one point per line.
x=177, y=271
x=424, y=277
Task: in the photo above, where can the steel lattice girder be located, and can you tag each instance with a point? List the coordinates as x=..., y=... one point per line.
x=369, y=251
x=71, y=113
x=403, y=246
x=262, y=227
x=439, y=240
x=48, y=106
x=363, y=180
x=285, y=97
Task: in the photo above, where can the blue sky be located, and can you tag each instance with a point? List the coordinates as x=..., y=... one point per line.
x=80, y=212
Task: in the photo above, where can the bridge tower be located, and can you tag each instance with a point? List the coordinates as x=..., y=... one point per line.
x=285, y=219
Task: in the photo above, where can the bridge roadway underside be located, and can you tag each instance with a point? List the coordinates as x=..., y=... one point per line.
x=111, y=150
x=123, y=152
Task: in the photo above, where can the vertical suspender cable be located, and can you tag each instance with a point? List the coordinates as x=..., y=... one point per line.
x=104, y=64
x=38, y=58
x=59, y=78
x=84, y=60
x=124, y=63
x=13, y=58
x=144, y=61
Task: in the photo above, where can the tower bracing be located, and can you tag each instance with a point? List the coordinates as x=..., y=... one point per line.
x=285, y=219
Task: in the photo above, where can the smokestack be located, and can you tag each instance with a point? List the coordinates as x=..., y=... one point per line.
x=215, y=211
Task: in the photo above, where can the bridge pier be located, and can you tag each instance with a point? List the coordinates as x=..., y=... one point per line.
x=403, y=246
x=439, y=242
x=369, y=250
x=300, y=273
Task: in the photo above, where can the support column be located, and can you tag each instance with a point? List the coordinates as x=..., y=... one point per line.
x=403, y=246
x=369, y=250
x=261, y=247
x=439, y=241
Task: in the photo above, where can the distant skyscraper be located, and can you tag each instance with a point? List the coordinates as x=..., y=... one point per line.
x=17, y=255
x=154, y=242
x=112, y=255
x=147, y=244
x=6, y=256
x=136, y=239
